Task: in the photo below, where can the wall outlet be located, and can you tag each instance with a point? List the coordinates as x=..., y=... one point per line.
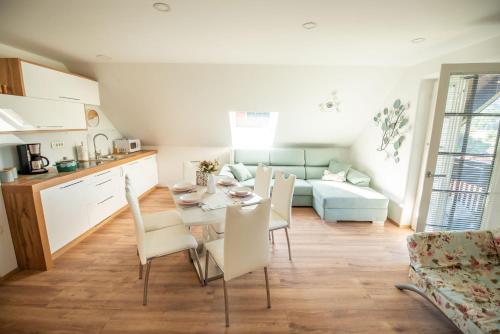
x=56, y=144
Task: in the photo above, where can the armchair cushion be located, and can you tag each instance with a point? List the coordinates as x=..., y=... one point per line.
x=448, y=249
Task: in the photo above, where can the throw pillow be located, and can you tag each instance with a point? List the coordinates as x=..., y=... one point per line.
x=336, y=177
x=226, y=171
x=336, y=167
x=357, y=178
x=240, y=172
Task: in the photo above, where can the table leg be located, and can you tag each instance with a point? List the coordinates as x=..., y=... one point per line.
x=213, y=271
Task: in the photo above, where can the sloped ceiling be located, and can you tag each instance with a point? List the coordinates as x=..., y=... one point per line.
x=188, y=104
x=354, y=32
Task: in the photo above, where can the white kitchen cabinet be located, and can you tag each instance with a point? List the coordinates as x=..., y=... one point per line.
x=65, y=212
x=72, y=208
x=107, y=191
x=44, y=82
x=143, y=174
x=20, y=113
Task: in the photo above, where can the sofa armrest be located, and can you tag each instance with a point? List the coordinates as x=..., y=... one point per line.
x=447, y=249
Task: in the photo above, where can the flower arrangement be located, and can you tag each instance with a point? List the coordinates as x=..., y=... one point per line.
x=208, y=166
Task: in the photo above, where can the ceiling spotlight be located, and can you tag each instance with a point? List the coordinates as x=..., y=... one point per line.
x=161, y=7
x=309, y=25
x=418, y=40
x=103, y=57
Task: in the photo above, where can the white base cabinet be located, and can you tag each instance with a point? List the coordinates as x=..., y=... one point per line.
x=66, y=215
x=72, y=208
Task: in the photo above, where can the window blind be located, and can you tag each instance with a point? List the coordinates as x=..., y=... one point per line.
x=467, y=152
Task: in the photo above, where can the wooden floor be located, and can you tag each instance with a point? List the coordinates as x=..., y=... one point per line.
x=341, y=280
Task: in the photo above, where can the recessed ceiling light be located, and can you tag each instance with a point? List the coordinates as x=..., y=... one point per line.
x=309, y=25
x=103, y=57
x=418, y=40
x=161, y=7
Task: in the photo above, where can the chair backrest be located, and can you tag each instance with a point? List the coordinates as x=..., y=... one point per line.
x=189, y=171
x=133, y=202
x=282, y=195
x=246, y=239
x=263, y=177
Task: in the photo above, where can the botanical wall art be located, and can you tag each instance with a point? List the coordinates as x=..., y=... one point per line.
x=394, y=123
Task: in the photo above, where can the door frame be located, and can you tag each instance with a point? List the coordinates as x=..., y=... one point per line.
x=444, y=80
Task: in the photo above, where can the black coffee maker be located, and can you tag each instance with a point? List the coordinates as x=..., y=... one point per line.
x=32, y=162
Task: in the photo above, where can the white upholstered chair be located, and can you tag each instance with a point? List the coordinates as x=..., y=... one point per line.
x=156, y=243
x=263, y=177
x=245, y=247
x=281, y=212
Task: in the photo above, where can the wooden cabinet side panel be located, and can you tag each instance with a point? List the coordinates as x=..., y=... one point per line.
x=27, y=227
x=11, y=75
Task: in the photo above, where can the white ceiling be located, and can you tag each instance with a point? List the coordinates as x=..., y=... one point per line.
x=355, y=32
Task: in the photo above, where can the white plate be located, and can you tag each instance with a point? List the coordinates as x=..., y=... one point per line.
x=190, y=198
x=227, y=181
x=240, y=191
x=183, y=186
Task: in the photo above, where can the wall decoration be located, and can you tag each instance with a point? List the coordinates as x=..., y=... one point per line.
x=331, y=104
x=92, y=118
x=394, y=123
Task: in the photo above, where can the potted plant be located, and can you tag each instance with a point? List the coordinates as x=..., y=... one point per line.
x=204, y=168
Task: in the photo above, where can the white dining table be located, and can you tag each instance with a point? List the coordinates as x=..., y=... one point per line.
x=211, y=210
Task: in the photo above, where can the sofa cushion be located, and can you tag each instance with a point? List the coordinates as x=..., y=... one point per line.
x=337, y=166
x=287, y=157
x=344, y=195
x=467, y=295
x=315, y=173
x=302, y=187
x=240, y=172
x=449, y=249
x=357, y=178
x=251, y=157
x=298, y=171
x=319, y=157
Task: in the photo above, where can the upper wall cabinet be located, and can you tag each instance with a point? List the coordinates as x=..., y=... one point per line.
x=28, y=79
x=21, y=113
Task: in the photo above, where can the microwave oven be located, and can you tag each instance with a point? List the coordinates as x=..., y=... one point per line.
x=124, y=146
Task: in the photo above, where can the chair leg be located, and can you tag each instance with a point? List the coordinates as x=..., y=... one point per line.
x=207, y=255
x=226, y=306
x=197, y=260
x=140, y=266
x=267, y=288
x=146, y=281
x=288, y=242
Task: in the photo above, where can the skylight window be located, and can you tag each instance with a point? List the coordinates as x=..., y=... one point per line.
x=253, y=129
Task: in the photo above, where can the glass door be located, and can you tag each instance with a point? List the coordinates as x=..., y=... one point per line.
x=463, y=148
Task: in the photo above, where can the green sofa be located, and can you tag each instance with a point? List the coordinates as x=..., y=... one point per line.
x=332, y=200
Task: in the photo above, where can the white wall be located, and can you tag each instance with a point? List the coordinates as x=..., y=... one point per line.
x=394, y=179
x=8, y=154
x=180, y=105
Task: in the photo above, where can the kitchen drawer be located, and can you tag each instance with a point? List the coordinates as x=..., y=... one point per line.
x=105, y=175
x=102, y=209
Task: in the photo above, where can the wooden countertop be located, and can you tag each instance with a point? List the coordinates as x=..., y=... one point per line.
x=52, y=178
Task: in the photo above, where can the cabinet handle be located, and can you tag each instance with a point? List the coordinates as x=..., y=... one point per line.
x=69, y=98
x=108, y=180
x=106, y=199
x=102, y=173
x=70, y=185
x=49, y=126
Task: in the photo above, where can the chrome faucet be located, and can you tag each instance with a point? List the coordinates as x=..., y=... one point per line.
x=97, y=154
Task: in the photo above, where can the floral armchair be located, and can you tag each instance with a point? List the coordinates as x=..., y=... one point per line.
x=459, y=272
